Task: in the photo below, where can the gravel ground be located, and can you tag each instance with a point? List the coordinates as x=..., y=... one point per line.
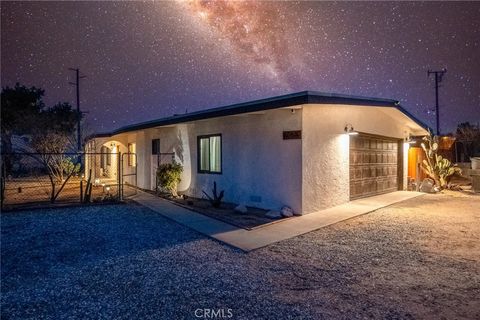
x=417, y=259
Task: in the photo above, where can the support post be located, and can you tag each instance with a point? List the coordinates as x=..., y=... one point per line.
x=119, y=176
x=81, y=191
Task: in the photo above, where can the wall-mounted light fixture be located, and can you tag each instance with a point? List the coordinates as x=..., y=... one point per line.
x=112, y=145
x=409, y=139
x=349, y=129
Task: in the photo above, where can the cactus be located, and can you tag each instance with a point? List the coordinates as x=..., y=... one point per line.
x=435, y=166
x=216, y=199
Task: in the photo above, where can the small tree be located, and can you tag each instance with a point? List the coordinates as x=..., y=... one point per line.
x=60, y=168
x=20, y=109
x=51, y=133
x=52, y=139
x=168, y=177
x=435, y=166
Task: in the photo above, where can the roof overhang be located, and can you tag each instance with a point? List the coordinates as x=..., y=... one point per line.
x=299, y=98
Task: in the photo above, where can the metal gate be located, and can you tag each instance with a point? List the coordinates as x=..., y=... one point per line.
x=128, y=175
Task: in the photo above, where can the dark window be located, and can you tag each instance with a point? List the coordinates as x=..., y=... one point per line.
x=155, y=146
x=210, y=154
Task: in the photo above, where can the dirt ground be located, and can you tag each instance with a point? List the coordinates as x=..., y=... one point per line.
x=36, y=190
x=417, y=259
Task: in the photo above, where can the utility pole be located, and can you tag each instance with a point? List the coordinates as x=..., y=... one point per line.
x=77, y=85
x=438, y=78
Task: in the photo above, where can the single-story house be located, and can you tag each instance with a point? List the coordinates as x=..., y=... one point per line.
x=306, y=150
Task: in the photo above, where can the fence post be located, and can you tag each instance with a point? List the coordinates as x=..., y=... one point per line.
x=81, y=190
x=119, y=176
x=3, y=182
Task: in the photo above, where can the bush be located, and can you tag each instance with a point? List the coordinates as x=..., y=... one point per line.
x=168, y=176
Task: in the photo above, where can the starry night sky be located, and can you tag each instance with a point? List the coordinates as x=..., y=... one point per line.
x=145, y=60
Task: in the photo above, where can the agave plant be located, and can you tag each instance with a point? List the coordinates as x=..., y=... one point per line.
x=435, y=166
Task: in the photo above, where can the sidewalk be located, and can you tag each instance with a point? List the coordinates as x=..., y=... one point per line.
x=254, y=239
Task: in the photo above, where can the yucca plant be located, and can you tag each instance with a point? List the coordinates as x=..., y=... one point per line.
x=435, y=166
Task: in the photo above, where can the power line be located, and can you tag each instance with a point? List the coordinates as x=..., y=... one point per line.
x=77, y=85
x=438, y=78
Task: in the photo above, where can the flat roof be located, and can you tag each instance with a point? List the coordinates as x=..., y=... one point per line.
x=298, y=98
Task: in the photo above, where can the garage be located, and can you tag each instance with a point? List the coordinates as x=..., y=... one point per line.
x=374, y=165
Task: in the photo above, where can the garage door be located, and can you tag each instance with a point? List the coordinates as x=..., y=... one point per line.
x=373, y=165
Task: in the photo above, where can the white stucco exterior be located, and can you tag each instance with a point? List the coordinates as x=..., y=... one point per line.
x=325, y=148
x=259, y=167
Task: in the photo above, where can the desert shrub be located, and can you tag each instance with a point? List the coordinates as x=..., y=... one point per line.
x=216, y=198
x=168, y=176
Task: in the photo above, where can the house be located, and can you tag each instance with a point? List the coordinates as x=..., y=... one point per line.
x=307, y=150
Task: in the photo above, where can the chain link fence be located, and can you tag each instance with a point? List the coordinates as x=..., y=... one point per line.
x=38, y=179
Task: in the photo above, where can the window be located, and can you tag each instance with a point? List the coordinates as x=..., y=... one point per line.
x=131, y=155
x=155, y=146
x=109, y=156
x=210, y=154
x=105, y=157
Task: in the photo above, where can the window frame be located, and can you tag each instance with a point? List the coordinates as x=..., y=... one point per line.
x=208, y=136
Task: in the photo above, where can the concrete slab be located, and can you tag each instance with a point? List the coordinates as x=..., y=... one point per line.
x=248, y=240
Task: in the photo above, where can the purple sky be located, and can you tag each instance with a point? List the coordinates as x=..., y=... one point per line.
x=148, y=60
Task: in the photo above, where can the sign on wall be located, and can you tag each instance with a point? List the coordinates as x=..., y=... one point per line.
x=289, y=135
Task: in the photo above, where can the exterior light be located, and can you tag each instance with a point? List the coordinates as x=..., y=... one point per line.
x=409, y=140
x=350, y=130
x=96, y=182
x=112, y=144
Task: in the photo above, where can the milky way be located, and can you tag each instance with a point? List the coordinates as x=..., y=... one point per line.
x=256, y=31
x=145, y=60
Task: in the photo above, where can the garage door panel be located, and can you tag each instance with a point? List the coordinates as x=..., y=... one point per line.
x=373, y=165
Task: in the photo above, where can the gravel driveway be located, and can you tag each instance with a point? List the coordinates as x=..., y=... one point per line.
x=416, y=259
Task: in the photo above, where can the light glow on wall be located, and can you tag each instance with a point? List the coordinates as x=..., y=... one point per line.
x=344, y=140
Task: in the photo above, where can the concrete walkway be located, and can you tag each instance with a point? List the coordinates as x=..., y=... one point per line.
x=257, y=238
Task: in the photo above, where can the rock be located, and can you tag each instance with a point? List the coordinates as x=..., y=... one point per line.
x=427, y=186
x=287, y=212
x=241, y=209
x=273, y=214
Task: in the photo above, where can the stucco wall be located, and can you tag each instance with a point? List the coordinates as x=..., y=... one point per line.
x=259, y=168
x=325, y=148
